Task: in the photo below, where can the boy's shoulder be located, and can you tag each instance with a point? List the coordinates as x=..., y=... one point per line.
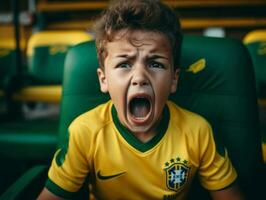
x=185, y=119
x=94, y=119
x=181, y=112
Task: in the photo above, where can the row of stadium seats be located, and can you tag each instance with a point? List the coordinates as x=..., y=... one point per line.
x=45, y=59
x=227, y=80
x=28, y=140
x=222, y=89
x=45, y=62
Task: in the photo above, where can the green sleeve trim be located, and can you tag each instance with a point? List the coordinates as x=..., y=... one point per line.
x=57, y=190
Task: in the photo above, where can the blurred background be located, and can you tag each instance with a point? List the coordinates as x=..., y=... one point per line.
x=231, y=18
x=35, y=36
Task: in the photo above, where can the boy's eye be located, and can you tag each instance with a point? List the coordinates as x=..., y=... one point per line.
x=123, y=65
x=156, y=65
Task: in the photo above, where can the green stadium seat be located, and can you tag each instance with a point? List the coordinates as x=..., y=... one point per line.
x=46, y=53
x=47, y=70
x=255, y=41
x=256, y=44
x=215, y=81
x=7, y=63
x=33, y=140
x=47, y=49
x=7, y=71
x=8, y=55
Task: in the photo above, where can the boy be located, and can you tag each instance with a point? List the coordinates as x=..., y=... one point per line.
x=139, y=145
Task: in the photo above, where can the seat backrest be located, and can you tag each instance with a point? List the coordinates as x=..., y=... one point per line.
x=8, y=69
x=256, y=44
x=216, y=81
x=46, y=53
x=255, y=41
x=81, y=90
x=7, y=60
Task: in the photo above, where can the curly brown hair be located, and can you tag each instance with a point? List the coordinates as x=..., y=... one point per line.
x=147, y=15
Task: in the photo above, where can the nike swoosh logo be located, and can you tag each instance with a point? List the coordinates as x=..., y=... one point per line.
x=102, y=177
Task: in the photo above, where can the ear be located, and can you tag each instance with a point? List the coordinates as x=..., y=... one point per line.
x=102, y=80
x=175, y=80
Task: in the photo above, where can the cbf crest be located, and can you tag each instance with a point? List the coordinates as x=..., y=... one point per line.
x=177, y=171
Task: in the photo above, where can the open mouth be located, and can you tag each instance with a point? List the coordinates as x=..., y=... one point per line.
x=140, y=107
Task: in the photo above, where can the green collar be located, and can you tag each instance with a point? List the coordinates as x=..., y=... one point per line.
x=135, y=142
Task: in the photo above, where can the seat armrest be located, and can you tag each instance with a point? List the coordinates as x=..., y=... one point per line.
x=29, y=185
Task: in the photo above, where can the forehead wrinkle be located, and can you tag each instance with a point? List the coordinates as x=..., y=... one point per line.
x=137, y=46
x=150, y=54
x=139, y=42
x=155, y=53
x=126, y=53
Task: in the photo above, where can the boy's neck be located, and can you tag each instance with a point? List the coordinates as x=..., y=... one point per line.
x=145, y=137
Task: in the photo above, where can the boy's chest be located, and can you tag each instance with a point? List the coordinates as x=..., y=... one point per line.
x=162, y=172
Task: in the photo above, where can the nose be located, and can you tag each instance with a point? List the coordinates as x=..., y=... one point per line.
x=139, y=77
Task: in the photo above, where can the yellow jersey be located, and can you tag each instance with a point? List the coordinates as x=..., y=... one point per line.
x=122, y=167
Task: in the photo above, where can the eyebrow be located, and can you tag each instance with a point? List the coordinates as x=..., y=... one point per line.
x=157, y=56
x=148, y=57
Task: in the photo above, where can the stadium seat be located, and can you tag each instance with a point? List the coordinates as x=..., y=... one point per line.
x=46, y=73
x=8, y=54
x=216, y=81
x=31, y=140
x=255, y=41
x=47, y=49
x=256, y=44
x=7, y=70
x=7, y=61
x=46, y=53
x=7, y=66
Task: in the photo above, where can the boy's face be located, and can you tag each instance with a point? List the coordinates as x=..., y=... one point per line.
x=139, y=76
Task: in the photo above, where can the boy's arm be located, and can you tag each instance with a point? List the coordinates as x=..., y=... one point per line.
x=230, y=193
x=47, y=195
x=69, y=166
x=215, y=177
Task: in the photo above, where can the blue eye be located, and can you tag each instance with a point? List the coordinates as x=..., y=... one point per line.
x=156, y=65
x=124, y=65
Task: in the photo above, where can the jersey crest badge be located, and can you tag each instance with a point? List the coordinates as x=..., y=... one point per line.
x=177, y=172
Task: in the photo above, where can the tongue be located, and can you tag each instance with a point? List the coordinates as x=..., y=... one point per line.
x=140, y=107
